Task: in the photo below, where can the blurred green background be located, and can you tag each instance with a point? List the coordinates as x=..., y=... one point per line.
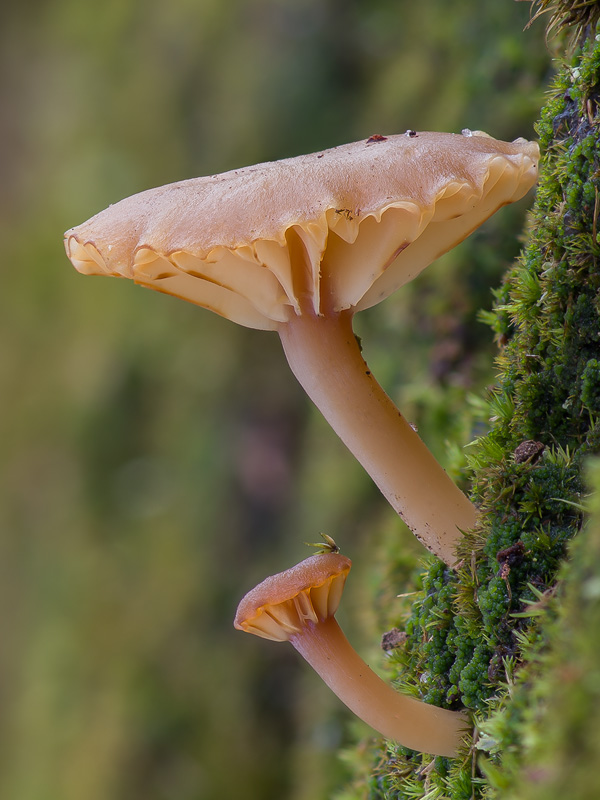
x=155, y=460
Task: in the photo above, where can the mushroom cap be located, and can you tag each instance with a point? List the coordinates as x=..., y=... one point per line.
x=282, y=604
x=319, y=233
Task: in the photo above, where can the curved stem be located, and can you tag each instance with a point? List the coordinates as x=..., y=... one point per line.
x=325, y=357
x=404, y=719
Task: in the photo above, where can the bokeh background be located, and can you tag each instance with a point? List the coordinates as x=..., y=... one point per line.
x=155, y=460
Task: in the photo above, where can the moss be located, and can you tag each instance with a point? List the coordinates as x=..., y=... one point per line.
x=565, y=15
x=474, y=634
x=543, y=742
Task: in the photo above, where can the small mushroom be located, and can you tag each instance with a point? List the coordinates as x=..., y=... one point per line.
x=298, y=246
x=298, y=606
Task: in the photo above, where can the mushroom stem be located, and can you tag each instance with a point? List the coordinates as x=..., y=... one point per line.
x=325, y=357
x=404, y=719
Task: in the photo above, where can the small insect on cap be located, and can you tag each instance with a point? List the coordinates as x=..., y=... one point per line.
x=320, y=233
x=282, y=605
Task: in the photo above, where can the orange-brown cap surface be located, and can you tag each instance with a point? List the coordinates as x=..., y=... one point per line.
x=338, y=229
x=282, y=604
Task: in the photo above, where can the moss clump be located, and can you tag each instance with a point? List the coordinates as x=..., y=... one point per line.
x=472, y=630
x=568, y=14
x=544, y=742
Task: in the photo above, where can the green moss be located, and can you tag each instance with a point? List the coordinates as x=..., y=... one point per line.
x=543, y=741
x=590, y=385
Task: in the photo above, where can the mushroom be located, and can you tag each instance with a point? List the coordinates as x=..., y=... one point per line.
x=298, y=246
x=298, y=606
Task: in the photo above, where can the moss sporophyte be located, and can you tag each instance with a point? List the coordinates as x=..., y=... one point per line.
x=298, y=246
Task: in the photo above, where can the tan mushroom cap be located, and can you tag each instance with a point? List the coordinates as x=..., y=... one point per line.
x=280, y=606
x=334, y=230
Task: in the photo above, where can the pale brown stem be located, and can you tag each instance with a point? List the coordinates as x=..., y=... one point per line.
x=396, y=716
x=325, y=357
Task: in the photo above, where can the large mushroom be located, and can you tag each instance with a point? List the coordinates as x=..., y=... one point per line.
x=298, y=246
x=298, y=606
